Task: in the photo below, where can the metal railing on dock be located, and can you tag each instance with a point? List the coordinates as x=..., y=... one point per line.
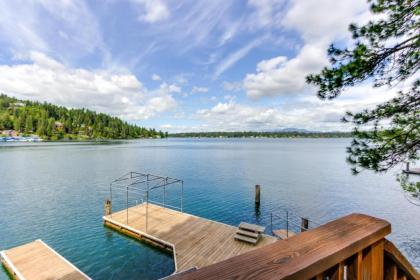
x=291, y=223
x=142, y=185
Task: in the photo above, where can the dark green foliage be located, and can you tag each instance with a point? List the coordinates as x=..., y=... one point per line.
x=373, y=56
x=385, y=146
x=240, y=134
x=386, y=52
x=55, y=122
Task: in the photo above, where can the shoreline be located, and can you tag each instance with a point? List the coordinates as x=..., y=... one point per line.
x=168, y=138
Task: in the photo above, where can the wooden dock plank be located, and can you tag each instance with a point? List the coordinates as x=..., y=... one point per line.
x=283, y=233
x=37, y=261
x=196, y=242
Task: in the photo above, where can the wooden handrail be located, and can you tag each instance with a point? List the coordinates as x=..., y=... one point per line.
x=310, y=254
x=392, y=252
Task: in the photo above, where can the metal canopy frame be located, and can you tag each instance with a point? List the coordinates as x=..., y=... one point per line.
x=142, y=184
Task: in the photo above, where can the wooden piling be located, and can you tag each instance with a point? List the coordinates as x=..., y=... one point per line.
x=304, y=225
x=257, y=195
x=108, y=207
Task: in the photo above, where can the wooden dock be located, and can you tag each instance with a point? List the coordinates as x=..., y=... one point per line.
x=415, y=171
x=37, y=261
x=283, y=233
x=195, y=242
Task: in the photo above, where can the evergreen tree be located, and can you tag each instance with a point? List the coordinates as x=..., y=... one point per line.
x=50, y=127
x=387, y=52
x=42, y=124
x=29, y=124
x=54, y=122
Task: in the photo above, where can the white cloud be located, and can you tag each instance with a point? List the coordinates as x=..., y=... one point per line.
x=170, y=88
x=308, y=112
x=271, y=64
x=66, y=29
x=309, y=18
x=181, y=79
x=234, y=57
x=156, y=77
x=196, y=89
x=166, y=127
x=266, y=13
x=22, y=31
x=230, y=32
x=120, y=94
x=152, y=10
x=279, y=76
x=160, y=104
x=282, y=76
x=232, y=86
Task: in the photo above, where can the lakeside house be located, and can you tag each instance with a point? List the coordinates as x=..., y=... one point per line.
x=14, y=136
x=9, y=132
x=58, y=126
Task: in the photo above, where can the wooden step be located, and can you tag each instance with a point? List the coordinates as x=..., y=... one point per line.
x=248, y=233
x=246, y=239
x=251, y=227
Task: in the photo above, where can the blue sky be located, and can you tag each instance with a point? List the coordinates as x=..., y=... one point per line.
x=189, y=65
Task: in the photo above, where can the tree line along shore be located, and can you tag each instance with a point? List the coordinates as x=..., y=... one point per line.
x=21, y=120
x=253, y=134
x=52, y=122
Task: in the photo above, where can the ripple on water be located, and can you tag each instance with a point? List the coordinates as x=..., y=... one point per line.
x=56, y=191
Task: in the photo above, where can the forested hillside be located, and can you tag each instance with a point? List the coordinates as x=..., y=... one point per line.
x=56, y=122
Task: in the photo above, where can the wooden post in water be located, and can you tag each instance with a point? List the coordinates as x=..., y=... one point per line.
x=304, y=225
x=257, y=195
x=108, y=207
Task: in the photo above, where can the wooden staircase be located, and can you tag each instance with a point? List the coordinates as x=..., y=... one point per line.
x=249, y=233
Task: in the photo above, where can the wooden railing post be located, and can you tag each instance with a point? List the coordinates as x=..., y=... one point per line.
x=377, y=251
x=107, y=207
x=391, y=272
x=373, y=261
x=304, y=225
x=341, y=271
x=359, y=265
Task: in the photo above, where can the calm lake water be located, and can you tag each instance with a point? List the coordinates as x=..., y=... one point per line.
x=56, y=192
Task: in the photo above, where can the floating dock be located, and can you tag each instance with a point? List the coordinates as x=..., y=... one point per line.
x=37, y=261
x=415, y=171
x=195, y=242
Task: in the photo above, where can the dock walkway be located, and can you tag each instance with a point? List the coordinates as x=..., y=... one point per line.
x=194, y=241
x=37, y=261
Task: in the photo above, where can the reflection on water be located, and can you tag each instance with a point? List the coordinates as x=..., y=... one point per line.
x=56, y=192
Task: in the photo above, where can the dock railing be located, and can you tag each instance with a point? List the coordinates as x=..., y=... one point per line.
x=291, y=222
x=352, y=247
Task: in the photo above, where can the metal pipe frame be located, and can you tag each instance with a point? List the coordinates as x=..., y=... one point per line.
x=142, y=184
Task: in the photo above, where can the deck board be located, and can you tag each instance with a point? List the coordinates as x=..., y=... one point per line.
x=196, y=242
x=37, y=261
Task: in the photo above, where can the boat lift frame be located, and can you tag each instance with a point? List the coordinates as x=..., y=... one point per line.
x=143, y=184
